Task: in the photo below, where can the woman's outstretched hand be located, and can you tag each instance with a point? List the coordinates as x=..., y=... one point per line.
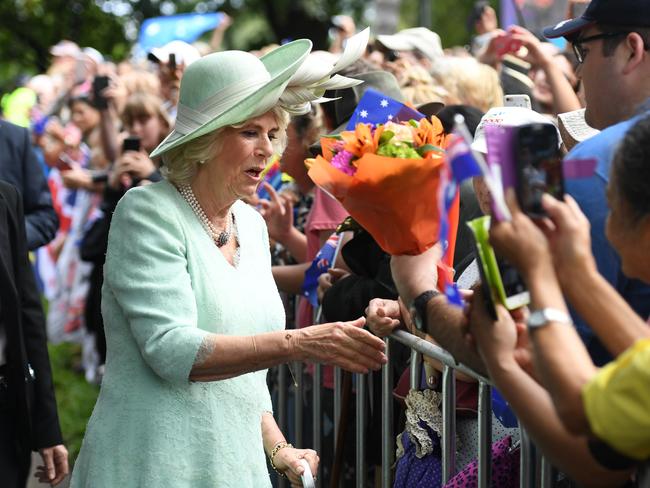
x=287, y=461
x=343, y=344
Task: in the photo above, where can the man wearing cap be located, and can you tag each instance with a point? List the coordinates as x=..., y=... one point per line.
x=611, y=41
x=422, y=44
x=172, y=59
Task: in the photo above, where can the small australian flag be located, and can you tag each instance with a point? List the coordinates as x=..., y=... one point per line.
x=376, y=108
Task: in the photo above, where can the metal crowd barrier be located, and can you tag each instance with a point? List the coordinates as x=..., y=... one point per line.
x=535, y=471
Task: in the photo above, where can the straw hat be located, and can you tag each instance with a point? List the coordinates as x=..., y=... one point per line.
x=230, y=87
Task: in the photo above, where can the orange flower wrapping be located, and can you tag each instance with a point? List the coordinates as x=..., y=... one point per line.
x=396, y=200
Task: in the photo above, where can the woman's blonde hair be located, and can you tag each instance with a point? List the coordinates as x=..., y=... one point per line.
x=141, y=105
x=180, y=163
x=418, y=86
x=469, y=82
x=140, y=81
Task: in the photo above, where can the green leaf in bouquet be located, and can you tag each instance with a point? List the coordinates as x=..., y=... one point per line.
x=398, y=150
x=414, y=123
x=386, y=136
x=422, y=150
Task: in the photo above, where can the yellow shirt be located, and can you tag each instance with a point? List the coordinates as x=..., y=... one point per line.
x=617, y=402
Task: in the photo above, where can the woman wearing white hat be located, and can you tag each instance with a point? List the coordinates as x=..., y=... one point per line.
x=192, y=314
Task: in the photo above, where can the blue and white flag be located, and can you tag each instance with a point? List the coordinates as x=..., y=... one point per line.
x=462, y=162
x=461, y=165
x=158, y=31
x=321, y=263
x=376, y=108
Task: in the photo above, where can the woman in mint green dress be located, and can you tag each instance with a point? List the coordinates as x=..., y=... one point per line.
x=192, y=314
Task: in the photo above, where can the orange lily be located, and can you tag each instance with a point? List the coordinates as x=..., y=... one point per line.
x=360, y=141
x=429, y=131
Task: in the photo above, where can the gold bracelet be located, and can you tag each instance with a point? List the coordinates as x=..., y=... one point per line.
x=274, y=451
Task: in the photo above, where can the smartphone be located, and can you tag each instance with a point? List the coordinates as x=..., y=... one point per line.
x=172, y=62
x=64, y=163
x=522, y=101
x=515, y=292
x=131, y=143
x=538, y=166
x=501, y=282
x=99, y=83
x=505, y=44
x=99, y=176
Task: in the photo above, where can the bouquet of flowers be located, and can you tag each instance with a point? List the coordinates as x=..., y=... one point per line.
x=387, y=177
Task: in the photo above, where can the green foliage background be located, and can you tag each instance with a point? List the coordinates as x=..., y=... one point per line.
x=75, y=398
x=30, y=27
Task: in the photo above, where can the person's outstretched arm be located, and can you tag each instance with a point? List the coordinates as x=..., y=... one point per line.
x=498, y=342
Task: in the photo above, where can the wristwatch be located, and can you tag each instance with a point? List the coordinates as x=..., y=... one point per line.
x=540, y=318
x=420, y=308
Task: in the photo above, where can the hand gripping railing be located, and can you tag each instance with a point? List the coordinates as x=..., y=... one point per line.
x=535, y=471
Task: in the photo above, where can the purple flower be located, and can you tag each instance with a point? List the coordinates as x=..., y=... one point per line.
x=341, y=161
x=338, y=146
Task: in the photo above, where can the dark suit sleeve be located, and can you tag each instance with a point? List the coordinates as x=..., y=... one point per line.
x=348, y=298
x=45, y=421
x=41, y=220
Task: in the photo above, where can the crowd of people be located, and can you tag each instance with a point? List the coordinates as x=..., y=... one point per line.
x=172, y=222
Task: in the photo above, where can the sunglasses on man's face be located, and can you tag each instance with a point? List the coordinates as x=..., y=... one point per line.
x=579, y=49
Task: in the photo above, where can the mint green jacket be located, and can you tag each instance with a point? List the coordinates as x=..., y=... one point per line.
x=166, y=286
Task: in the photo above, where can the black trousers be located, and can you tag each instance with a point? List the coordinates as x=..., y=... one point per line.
x=14, y=464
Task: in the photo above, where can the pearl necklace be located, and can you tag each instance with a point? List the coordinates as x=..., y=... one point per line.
x=220, y=238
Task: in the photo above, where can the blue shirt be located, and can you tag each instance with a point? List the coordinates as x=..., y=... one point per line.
x=590, y=195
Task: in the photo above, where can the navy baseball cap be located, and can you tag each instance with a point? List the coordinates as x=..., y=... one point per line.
x=632, y=13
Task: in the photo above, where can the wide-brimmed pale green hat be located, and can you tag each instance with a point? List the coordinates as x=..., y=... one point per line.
x=231, y=87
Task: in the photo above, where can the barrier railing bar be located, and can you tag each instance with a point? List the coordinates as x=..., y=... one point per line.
x=387, y=445
x=298, y=402
x=436, y=352
x=282, y=408
x=317, y=420
x=338, y=385
x=360, y=430
x=484, y=435
x=415, y=369
x=526, y=469
x=548, y=474
x=448, y=423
